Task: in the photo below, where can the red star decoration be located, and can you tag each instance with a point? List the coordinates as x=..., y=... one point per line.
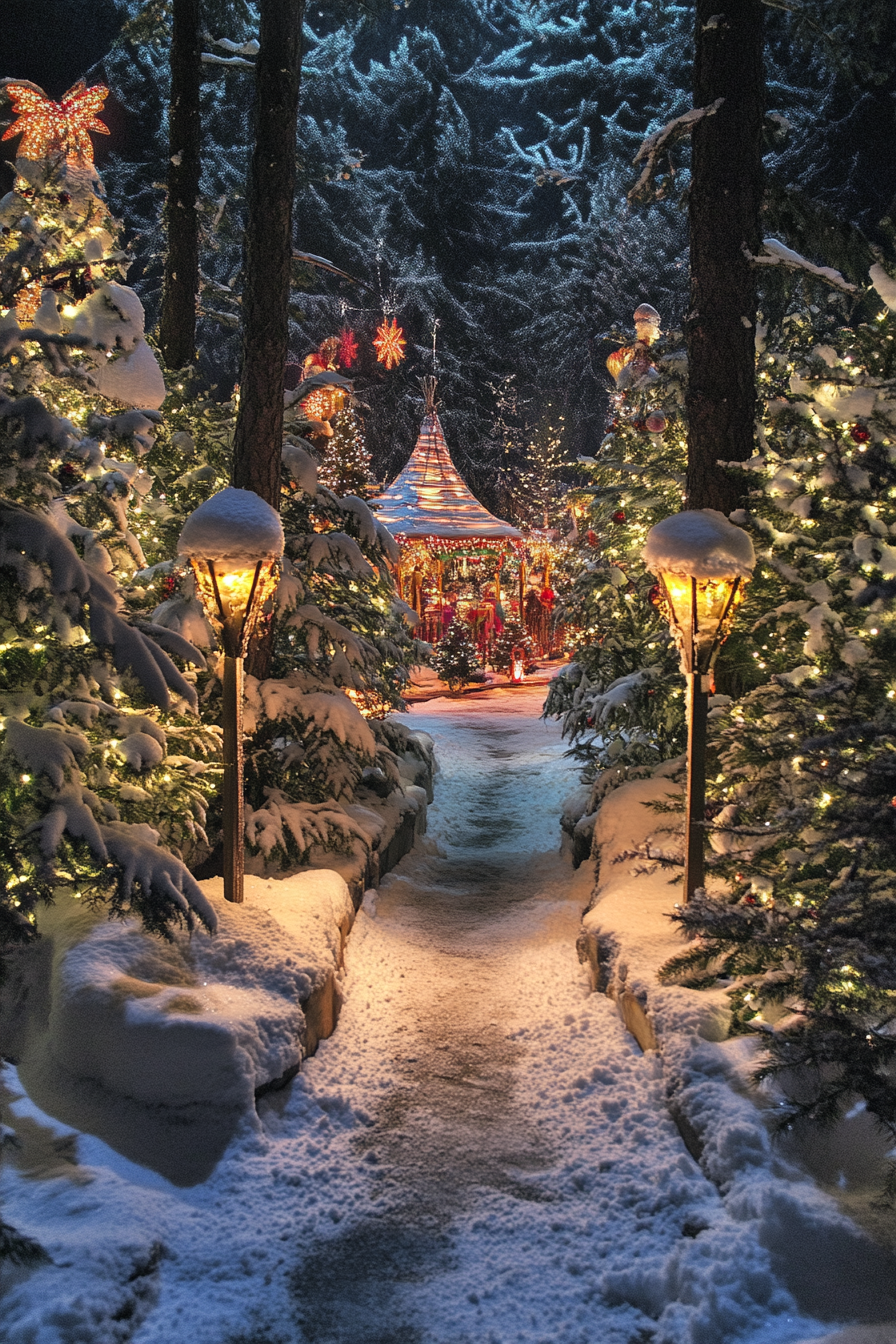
x=347, y=351
x=47, y=127
x=389, y=344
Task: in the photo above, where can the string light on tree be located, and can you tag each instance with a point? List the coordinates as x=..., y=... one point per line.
x=50, y=128
x=390, y=344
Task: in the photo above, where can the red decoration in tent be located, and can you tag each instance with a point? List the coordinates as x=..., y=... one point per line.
x=389, y=344
x=347, y=350
x=619, y=516
x=860, y=433
x=47, y=127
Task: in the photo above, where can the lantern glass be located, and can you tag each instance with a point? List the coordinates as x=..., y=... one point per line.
x=700, y=612
x=234, y=598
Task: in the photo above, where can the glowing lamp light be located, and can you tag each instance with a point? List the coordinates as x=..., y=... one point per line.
x=702, y=563
x=234, y=599
x=518, y=664
x=233, y=542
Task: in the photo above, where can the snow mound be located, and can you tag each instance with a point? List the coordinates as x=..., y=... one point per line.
x=234, y=525
x=884, y=284
x=135, y=379
x=202, y=1021
x=699, y=542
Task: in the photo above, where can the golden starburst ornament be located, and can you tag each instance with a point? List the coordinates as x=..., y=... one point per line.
x=389, y=344
x=56, y=128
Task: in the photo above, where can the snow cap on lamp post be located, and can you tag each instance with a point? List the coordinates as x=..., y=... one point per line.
x=233, y=541
x=703, y=563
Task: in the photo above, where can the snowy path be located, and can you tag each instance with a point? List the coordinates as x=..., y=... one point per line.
x=480, y=1155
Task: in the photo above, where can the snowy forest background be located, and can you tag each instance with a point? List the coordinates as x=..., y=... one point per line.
x=469, y=163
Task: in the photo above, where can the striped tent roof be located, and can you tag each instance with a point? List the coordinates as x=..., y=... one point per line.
x=429, y=500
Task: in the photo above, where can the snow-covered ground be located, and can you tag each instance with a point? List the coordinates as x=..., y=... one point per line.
x=480, y=1154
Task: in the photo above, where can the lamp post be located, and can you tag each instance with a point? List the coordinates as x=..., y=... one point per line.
x=703, y=563
x=233, y=542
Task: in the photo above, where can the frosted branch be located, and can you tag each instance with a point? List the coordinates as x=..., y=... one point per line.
x=661, y=142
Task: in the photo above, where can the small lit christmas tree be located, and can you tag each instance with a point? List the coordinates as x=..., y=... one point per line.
x=345, y=464
x=456, y=659
x=513, y=642
x=540, y=484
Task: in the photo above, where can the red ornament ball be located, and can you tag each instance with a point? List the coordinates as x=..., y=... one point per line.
x=860, y=433
x=656, y=422
x=619, y=516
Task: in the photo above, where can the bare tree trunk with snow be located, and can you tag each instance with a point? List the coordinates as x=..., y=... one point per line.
x=725, y=199
x=177, y=328
x=268, y=250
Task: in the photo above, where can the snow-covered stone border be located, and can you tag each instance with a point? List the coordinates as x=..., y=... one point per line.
x=799, y=1192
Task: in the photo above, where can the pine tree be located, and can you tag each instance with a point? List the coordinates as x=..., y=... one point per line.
x=621, y=700
x=806, y=827
x=456, y=658
x=546, y=470
x=102, y=744
x=514, y=641
x=345, y=463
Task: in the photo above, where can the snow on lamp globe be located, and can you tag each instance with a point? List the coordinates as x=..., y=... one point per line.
x=234, y=542
x=703, y=563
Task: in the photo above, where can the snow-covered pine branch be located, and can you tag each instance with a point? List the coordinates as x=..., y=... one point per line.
x=660, y=142
x=778, y=254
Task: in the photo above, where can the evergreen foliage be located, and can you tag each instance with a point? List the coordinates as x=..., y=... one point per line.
x=103, y=761
x=345, y=462
x=514, y=640
x=805, y=825
x=621, y=699
x=456, y=659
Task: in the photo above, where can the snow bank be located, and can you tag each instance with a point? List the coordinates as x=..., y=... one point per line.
x=699, y=542
x=203, y=1021
x=235, y=526
x=832, y=1268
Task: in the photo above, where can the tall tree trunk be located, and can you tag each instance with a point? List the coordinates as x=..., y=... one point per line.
x=268, y=251
x=725, y=199
x=177, y=328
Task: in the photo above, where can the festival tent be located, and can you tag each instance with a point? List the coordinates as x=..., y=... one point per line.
x=434, y=517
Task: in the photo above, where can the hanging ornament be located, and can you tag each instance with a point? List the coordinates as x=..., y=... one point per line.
x=647, y=324
x=656, y=422
x=347, y=351
x=860, y=433
x=48, y=128
x=389, y=344
x=68, y=475
x=593, y=539
x=619, y=516
x=655, y=596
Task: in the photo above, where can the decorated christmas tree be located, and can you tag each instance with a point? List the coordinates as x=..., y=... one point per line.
x=805, y=825
x=345, y=464
x=456, y=658
x=102, y=758
x=514, y=644
x=620, y=699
